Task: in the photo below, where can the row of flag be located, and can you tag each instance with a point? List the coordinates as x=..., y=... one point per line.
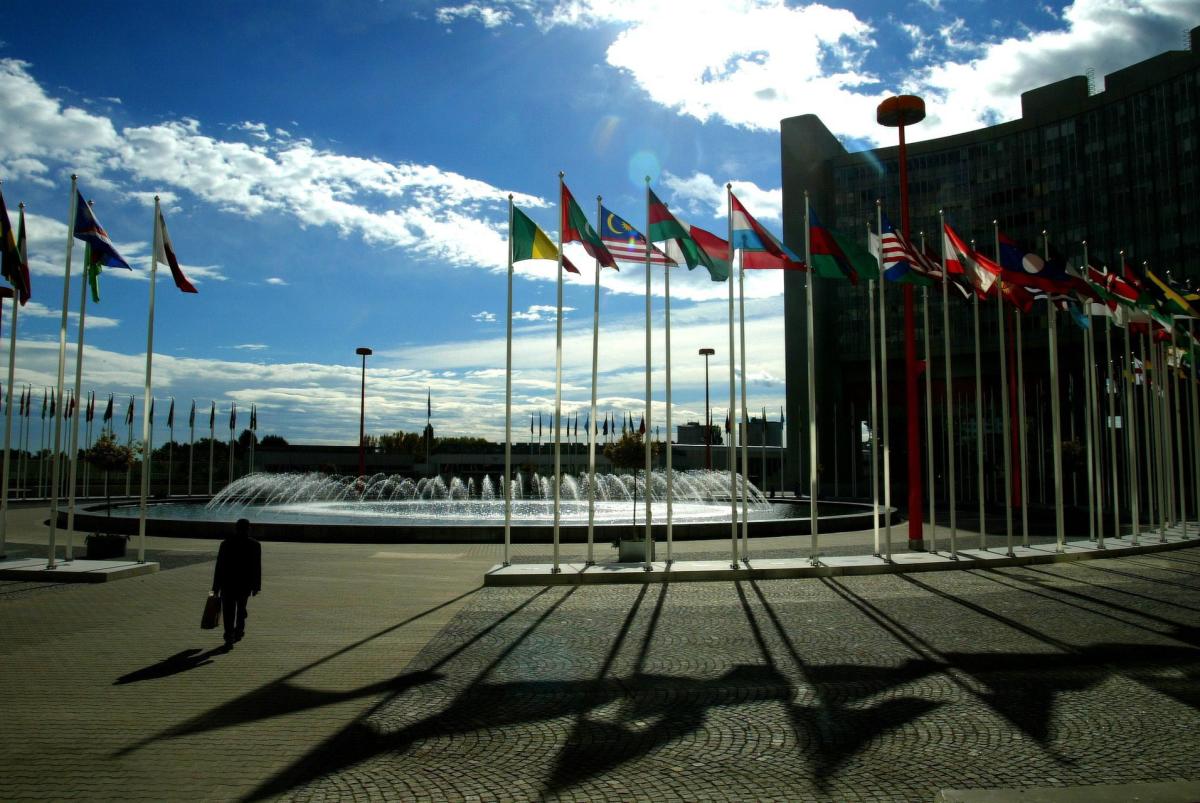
x=50, y=408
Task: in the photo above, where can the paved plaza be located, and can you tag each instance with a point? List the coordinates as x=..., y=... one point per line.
x=376, y=672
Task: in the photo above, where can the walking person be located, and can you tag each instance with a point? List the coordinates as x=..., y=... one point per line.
x=237, y=577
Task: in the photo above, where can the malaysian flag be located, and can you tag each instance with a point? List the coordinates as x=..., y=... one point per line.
x=626, y=243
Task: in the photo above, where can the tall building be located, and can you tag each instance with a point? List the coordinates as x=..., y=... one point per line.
x=1116, y=166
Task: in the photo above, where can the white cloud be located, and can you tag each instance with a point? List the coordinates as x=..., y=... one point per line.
x=488, y=16
x=751, y=63
x=540, y=312
x=699, y=193
x=275, y=280
x=251, y=346
x=35, y=309
x=483, y=316
x=436, y=213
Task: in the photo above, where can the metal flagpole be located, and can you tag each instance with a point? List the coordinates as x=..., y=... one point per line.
x=885, y=406
x=1130, y=422
x=55, y=464
x=1095, y=518
x=949, y=390
x=212, y=439
x=1195, y=416
x=191, y=443
x=507, y=478
x=1178, y=438
x=87, y=440
x=8, y=413
x=813, y=479
x=976, y=281
x=874, y=390
x=74, y=456
x=667, y=354
x=929, y=444
x=1006, y=435
x=1110, y=390
x=1055, y=412
x=732, y=448
x=763, y=445
x=646, y=495
x=1163, y=450
x=146, y=444
x=232, y=427
x=558, y=384
x=592, y=418
x=171, y=444
x=745, y=432
x=1148, y=439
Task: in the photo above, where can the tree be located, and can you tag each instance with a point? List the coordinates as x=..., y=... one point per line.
x=109, y=456
x=273, y=442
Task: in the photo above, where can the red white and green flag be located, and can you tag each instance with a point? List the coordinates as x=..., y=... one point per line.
x=577, y=229
x=691, y=245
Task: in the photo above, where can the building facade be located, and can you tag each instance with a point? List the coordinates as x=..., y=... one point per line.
x=1114, y=166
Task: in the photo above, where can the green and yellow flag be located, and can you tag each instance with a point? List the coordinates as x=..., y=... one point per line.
x=530, y=242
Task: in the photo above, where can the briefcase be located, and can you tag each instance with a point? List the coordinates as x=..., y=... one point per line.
x=212, y=613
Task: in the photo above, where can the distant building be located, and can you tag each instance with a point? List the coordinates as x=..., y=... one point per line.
x=693, y=433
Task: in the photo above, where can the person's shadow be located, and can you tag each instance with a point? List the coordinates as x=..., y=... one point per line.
x=179, y=662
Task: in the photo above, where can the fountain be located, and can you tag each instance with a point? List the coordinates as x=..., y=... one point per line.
x=387, y=508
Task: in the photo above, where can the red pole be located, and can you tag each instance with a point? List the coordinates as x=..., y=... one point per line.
x=916, y=536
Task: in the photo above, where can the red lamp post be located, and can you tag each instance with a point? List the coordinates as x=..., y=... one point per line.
x=364, y=352
x=898, y=112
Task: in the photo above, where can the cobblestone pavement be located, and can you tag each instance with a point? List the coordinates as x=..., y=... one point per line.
x=874, y=688
x=387, y=673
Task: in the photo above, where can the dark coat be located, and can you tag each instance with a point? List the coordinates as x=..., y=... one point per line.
x=239, y=567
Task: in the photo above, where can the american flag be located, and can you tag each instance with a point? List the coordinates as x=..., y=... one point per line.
x=900, y=257
x=626, y=243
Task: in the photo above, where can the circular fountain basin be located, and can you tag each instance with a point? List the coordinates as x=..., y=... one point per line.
x=320, y=508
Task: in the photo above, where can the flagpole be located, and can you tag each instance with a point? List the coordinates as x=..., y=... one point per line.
x=558, y=383
x=667, y=357
x=1005, y=424
x=647, y=496
x=813, y=480
x=950, y=456
x=55, y=466
x=191, y=444
x=745, y=433
x=1055, y=412
x=591, y=532
x=507, y=478
x=1178, y=437
x=874, y=384
x=74, y=457
x=212, y=440
x=929, y=451
x=171, y=447
x=883, y=374
x=232, y=427
x=1130, y=419
x=146, y=445
x=12, y=355
x=979, y=476
x=1195, y=416
x=732, y=453
x=1110, y=390
x=87, y=442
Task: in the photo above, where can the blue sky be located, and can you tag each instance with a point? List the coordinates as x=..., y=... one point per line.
x=334, y=174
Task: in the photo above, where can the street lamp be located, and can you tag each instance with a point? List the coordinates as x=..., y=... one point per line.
x=706, y=353
x=364, y=352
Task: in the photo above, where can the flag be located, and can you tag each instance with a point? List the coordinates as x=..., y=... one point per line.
x=624, y=424
x=192, y=415
x=605, y=426
x=587, y=422
x=171, y=414
x=530, y=242
x=903, y=263
x=781, y=415
x=978, y=270
x=759, y=247
x=539, y=424
x=151, y=411
x=166, y=256
x=88, y=229
x=43, y=404
x=576, y=433
x=688, y=244
x=14, y=261
x=642, y=428
x=727, y=422
x=91, y=408
x=575, y=228
x=836, y=256
x=428, y=405
x=254, y=418
x=212, y=417
x=531, y=425
x=1041, y=277
x=108, y=410
x=626, y=243
x=91, y=271
x=1169, y=299
x=53, y=402
x=129, y=413
x=232, y=417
